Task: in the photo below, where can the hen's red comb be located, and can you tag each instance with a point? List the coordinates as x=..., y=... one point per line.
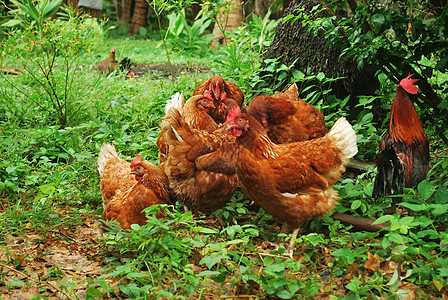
x=136, y=161
x=217, y=90
x=234, y=111
x=208, y=95
x=408, y=84
x=223, y=96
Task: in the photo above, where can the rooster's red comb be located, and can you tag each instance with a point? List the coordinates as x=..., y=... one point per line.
x=234, y=111
x=408, y=84
x=136, y=161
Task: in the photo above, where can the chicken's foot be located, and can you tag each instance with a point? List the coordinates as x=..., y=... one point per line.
x=290, y=250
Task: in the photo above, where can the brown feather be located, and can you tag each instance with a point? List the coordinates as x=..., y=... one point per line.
x=287, y=118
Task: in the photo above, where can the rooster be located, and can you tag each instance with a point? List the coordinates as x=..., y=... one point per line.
x=403, y=156
x=128, y=188
x=200, y=164
x=217, y=89
x=109, y=64
x=287, y=118
x=293, y=182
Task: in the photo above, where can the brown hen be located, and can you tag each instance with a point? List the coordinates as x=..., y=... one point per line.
x=287, y=118
x=128, y=188
x=293, y=182
x=109, y=64
x=195, y=114
x=217, y=89
x=200, y=164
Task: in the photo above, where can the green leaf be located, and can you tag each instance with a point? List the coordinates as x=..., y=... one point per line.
x=274, y=268
x=443, y=272
x=135, y=227
x=394, y=281
x=47, y=189
x=206, y=230
x=425, y=189
x=441, y=195
x=377, y=21
x=284, y=294
x=12, y=23
x=414, y=207
x=279, y=283
x=439, y=209
x=355, y=204
x=51, y=8
x=16, y=283
x=320, y=76
x=383, y=219
x=210, y=261
x=209, y=273
x=92, y=293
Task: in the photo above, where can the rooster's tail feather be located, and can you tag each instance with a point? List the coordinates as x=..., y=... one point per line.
x=107, y=152
x=389, y=179
x=345, y=138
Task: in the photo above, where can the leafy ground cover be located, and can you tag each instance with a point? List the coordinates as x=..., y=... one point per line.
x=55, y=245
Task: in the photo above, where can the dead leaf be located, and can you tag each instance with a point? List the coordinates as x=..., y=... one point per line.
x=410, y=288
x=373, y=262
x=354, y=271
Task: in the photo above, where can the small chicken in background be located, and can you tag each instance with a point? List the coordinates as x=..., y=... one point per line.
x=217, y=89
x=403, y=156
x=128, y=188
x=200, y=164
x=109, y=64
x=287, y=118
x=292, y=182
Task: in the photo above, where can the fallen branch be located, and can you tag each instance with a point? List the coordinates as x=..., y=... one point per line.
x=360, y=223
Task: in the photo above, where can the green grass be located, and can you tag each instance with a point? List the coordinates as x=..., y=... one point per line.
x=146, y=52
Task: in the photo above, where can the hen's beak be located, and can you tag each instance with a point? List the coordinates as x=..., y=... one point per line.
x=230, y=126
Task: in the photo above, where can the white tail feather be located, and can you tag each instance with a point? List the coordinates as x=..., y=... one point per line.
x=107, y=152
x=179, y=138
x=345, y=137
x=176, y=101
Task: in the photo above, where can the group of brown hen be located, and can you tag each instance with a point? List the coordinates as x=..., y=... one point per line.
x=277, y=149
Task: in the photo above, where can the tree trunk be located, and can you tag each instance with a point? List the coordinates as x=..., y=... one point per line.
x=139, y=17
x=124, y=12
x=228, y=22
x=261, y=7
x=293, y=43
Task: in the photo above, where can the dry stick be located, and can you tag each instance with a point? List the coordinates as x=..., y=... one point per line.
x=70, y=238
x=359, y=223
x=14, y=270
x=59, y=290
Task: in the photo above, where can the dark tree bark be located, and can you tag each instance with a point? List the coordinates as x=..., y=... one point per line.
x=293, y=42
x=139, y=17
x=124, y=12
x=261, y=7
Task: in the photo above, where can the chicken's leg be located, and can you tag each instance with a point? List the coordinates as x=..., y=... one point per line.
x=292, y=241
